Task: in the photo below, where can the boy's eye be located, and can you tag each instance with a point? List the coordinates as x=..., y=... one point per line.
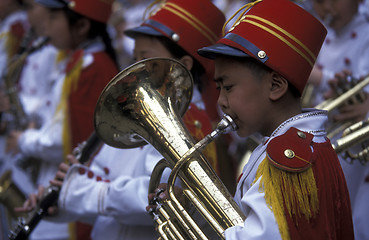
x=227, y=88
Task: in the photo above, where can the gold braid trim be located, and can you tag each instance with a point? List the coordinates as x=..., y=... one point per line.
x=69, y=85
x=296, y=191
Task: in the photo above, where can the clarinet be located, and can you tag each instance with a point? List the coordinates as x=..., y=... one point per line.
x=83, y=153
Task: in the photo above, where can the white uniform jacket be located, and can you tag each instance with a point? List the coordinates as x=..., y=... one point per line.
x=45, y=143
x=260, y=222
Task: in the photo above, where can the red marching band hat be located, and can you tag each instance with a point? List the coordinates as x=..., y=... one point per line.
x=98, y=10
x=192, y=24
x=278, y=33
x=185, y=23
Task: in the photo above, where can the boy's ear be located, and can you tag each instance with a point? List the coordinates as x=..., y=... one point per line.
x=83, y=26
x=187, y=61
x=279, y=86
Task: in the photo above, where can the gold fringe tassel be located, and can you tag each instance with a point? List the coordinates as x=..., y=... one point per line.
x=60, y=56
x=296, y=191
x=10, y=46
x=70, y=85
x=72, y=231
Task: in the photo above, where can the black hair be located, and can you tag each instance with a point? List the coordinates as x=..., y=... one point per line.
x=97, y=29
x=178, y=52
x=294, y=90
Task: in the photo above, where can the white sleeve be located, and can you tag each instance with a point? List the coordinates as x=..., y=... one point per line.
x=127, y=199
x=84, y=195
x=83, y=198
x=260, y=222
x=44, y=143
x=80, y=196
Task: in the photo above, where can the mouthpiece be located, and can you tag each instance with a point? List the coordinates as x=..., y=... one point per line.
x=226, y=125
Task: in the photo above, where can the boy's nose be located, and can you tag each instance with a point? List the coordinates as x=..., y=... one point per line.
x=222, y=101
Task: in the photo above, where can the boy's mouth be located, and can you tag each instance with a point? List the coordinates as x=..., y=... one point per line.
x=234, y=118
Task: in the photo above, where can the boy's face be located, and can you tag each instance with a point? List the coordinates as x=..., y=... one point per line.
x=149, y=47
x=336, y=13
x=6, y=7
x=58, y=30
x=243, y=95
x=37, y=16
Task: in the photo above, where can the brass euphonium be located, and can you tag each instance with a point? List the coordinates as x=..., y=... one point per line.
x=143, y=103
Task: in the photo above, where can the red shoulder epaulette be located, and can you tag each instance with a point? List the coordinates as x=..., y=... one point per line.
x=291, y=151
x=17, y=29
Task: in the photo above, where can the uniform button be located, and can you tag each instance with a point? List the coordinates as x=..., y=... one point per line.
x=367, y=179
x=106, y=170
x=72, y=4
x=301, y=134
x=347, y=61
x=81, y=170
x=197, y=124
x=90, y=174
x=353, y=35
x=107, y=180
x=261, y=54
x=175, y=37
x=289, y=153
x=98, y=178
